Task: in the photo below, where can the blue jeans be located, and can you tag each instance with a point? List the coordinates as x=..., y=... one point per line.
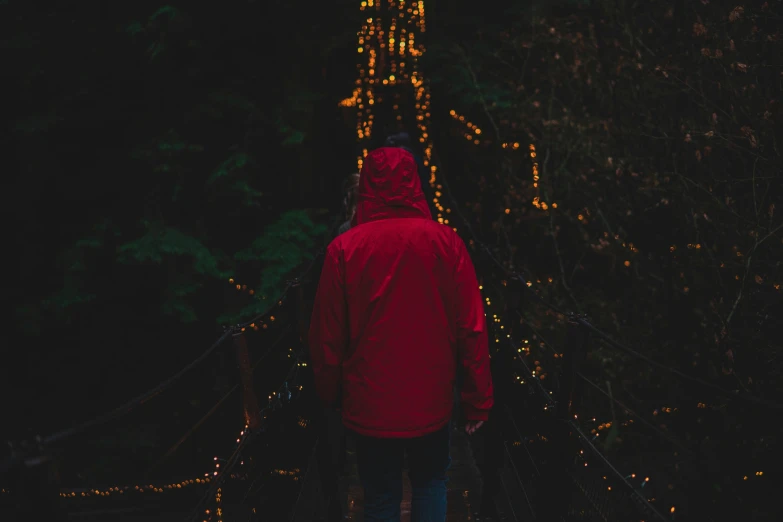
x=380, y=463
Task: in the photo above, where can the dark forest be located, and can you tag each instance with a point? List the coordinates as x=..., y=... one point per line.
x=177, y=170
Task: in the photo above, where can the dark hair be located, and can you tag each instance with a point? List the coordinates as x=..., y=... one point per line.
x=350, y=192
x=352, y=181
x=400, y=139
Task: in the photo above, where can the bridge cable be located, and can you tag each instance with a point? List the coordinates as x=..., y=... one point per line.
x=602, y=335
x=585, y=440
x=136, y=401
x=248, y=435
x=217, y=405
x=128, y=406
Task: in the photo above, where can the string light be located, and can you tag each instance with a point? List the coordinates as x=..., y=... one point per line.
x=218, y=506
x=474, y=131
x=242, y=438
x=602, y=426
x=538, y=373
x=474, y=135
x=243, y=288
x=146, y=488
x=295, y=473
x=140, y=488
x=542, y=205
x=260, y=324
x=394, y=36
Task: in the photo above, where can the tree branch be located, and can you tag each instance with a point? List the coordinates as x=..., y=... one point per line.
x=476, y=85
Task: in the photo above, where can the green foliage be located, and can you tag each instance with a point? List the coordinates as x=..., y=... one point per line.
x=179, y=301
x=167, y=11
x=42, y=120
x=29, y=319
x=232, y=174
x=232, y=100
x=459, y=77
x=162, y=245
x=250, y=196
x=292, y=136
x=134, y=28
x=167, y=125
x=166, y=153
x=165, y=147
x=234, y=163
x=292, y=232
x=285, y=246
x=71, y=295
x=74, y=263
x=161, y=242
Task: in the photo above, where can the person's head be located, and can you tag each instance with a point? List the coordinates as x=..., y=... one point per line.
x=400, y=139
x=350, y=191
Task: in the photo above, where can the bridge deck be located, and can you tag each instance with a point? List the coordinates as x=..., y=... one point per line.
x=464, y=487
x=464, y=484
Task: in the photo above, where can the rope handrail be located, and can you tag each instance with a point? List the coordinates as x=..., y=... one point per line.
x=291, y=283
x=144, y=397
x=291, y=375
x=215, y=484
x=680, y=445
x=669, y=437
x=22, y=454
x=286, y=331
x=282, y=390
x=136, y=401
x=149, y=394
x=220, y=401
x=515, y=276
x=607, y=339
x=540, y=387
x=663, y=434
x=636, y=493
x=585, y=440
x=247, y=437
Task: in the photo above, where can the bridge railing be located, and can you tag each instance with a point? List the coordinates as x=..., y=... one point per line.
x=29, y=475
x=565, y=399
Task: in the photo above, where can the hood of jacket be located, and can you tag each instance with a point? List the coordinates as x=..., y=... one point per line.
x=389, y=187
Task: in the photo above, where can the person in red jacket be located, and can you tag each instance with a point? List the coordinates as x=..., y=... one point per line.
x=397, y=309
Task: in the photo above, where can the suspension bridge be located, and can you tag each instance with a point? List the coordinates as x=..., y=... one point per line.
x=542, y=456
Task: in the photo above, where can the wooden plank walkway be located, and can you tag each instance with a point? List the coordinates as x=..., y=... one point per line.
x=464, y=489
x=464, y=486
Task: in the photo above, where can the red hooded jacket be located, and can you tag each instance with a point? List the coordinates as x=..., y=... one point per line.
x=397, y=308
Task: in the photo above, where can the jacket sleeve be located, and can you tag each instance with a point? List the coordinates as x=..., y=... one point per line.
x=472, y=343
x=329, y=331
